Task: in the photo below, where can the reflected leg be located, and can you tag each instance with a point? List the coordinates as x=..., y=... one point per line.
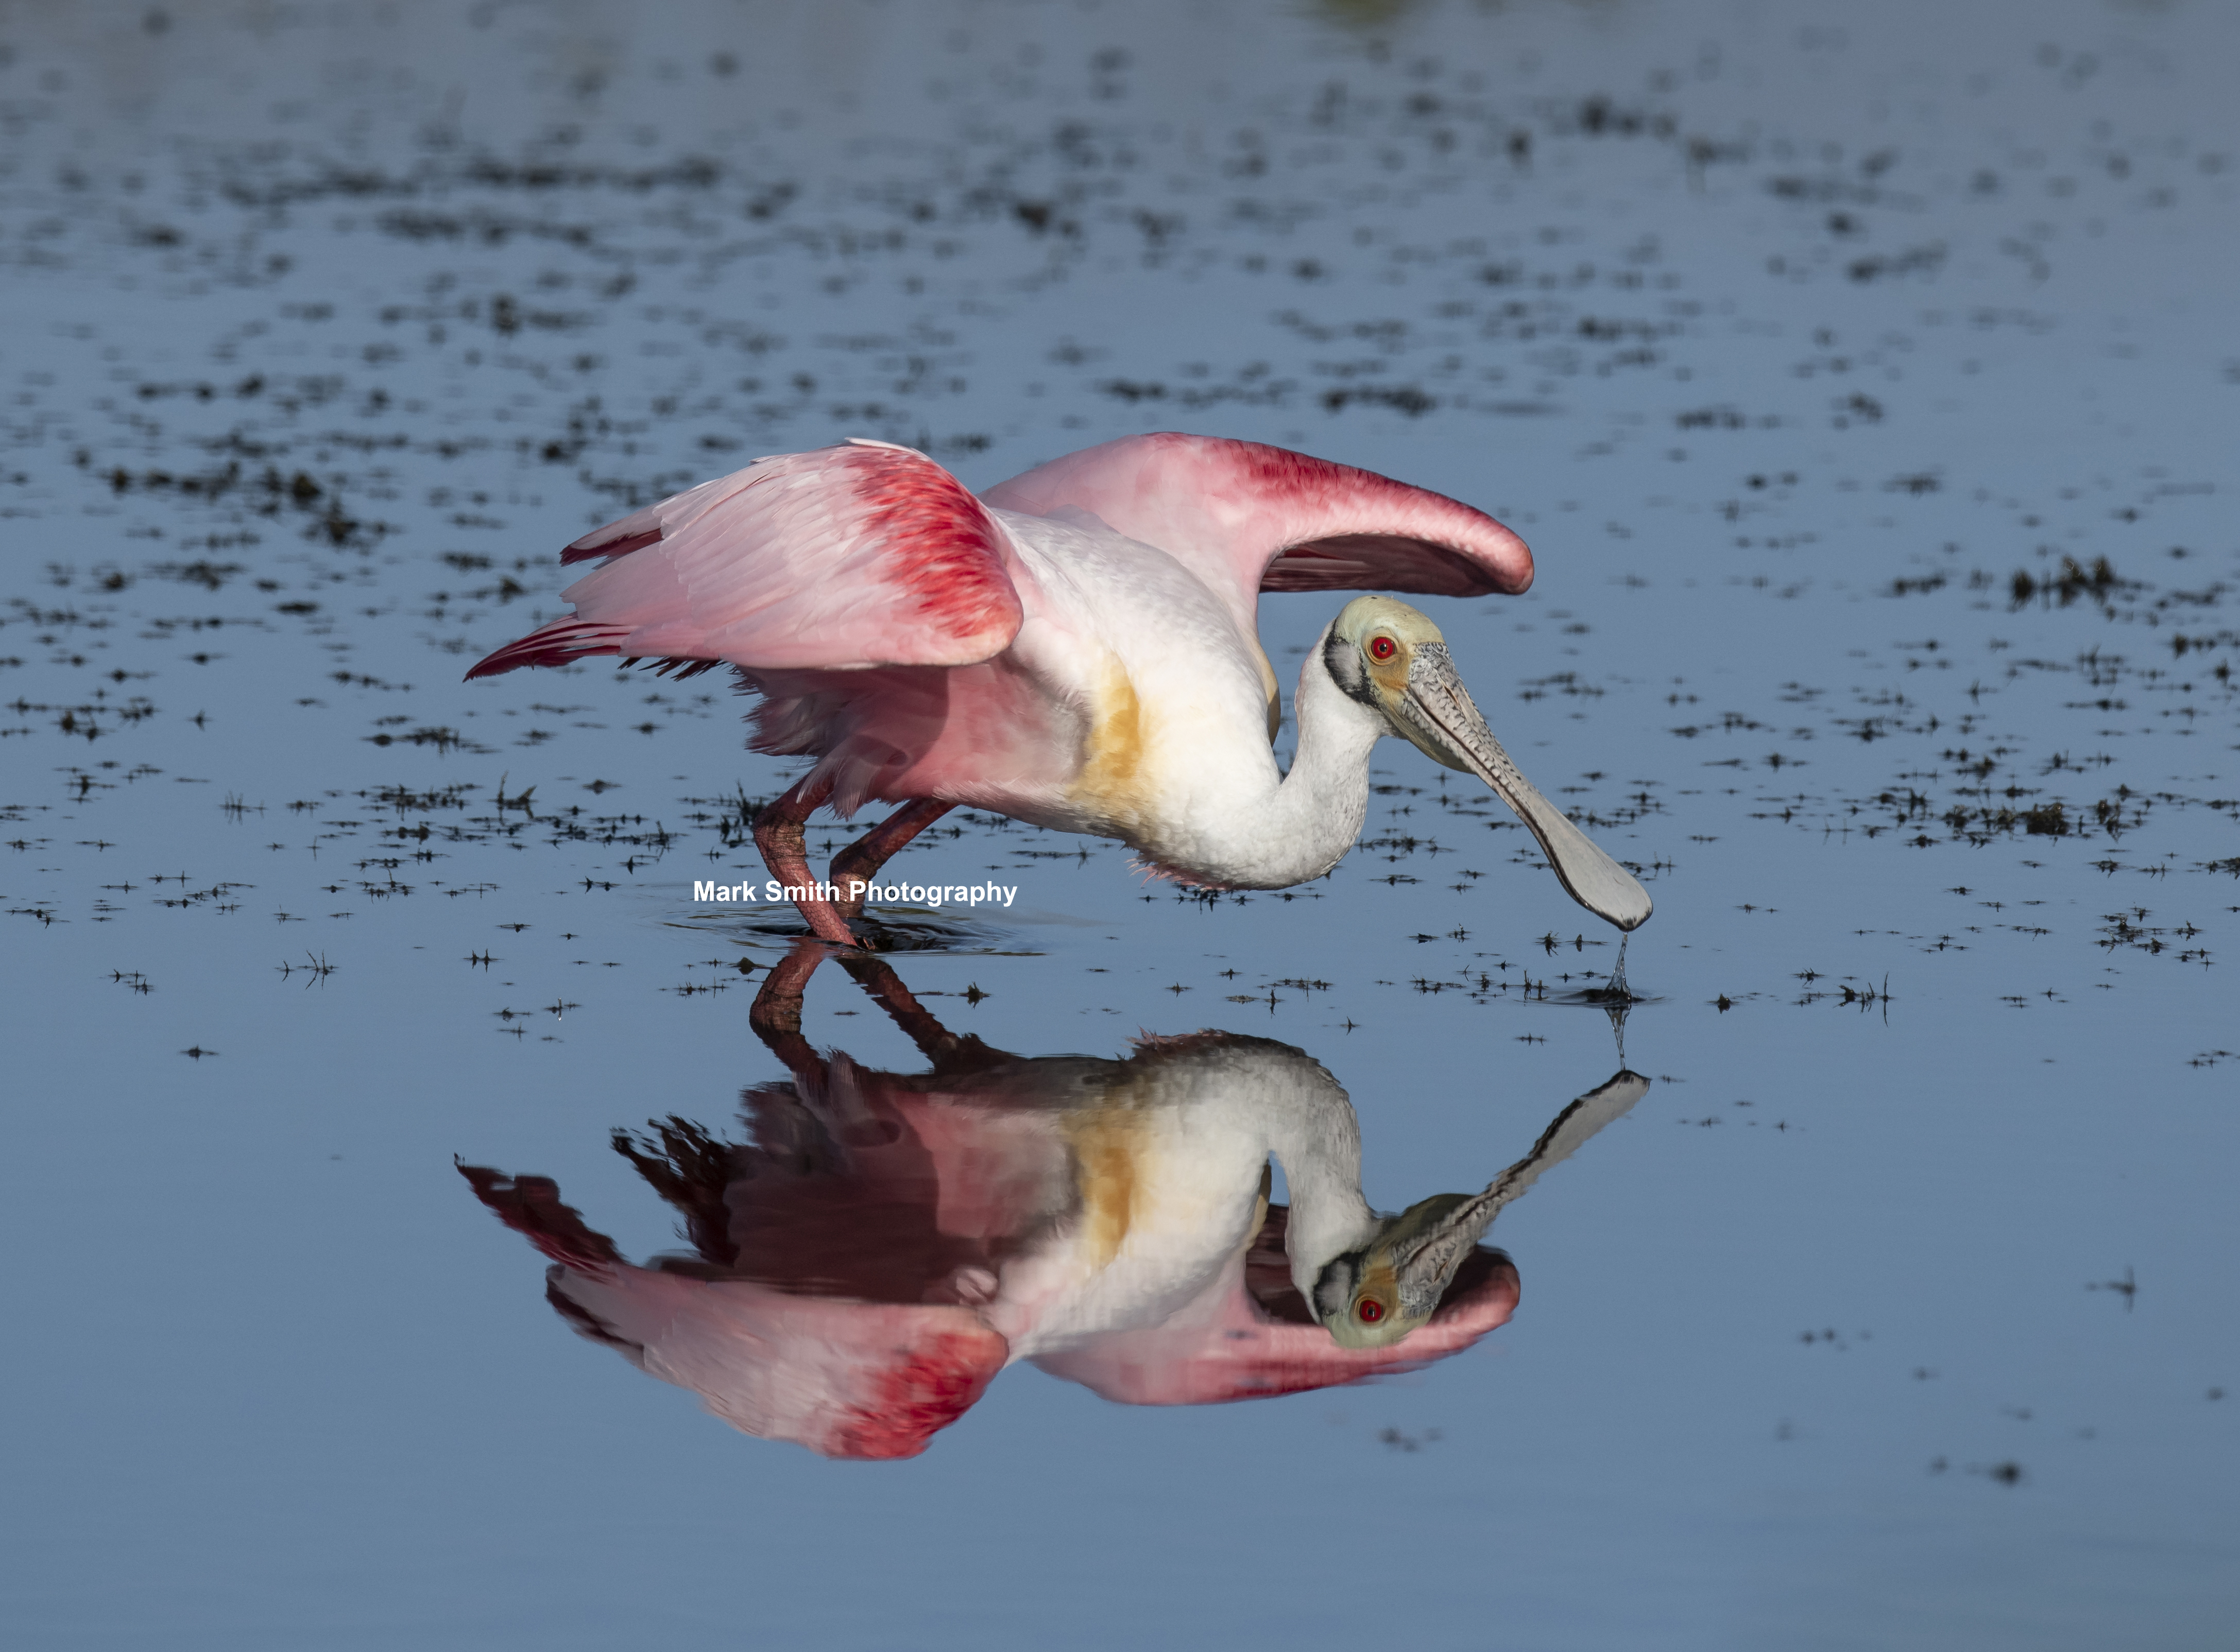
x=776, y=1015
x=948, y=1052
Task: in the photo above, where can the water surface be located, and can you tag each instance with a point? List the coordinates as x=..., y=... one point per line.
x=1864, y=385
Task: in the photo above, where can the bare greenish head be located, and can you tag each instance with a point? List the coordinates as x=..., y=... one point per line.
x=1390, y=656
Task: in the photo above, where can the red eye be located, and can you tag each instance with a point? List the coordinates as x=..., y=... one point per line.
x=1370, y=1309
x=1383, y=647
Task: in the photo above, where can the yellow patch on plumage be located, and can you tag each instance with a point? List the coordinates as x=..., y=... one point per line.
x=1107, y=1143
x=1269, y=687
x=1110, y=781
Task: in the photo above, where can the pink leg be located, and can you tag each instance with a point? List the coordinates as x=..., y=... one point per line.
x=778, y=835
x=860, y=862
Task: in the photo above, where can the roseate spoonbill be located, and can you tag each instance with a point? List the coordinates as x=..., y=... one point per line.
x=1077, y=650
x=887, y=1242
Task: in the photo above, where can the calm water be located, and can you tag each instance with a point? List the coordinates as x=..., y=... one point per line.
x=1865, y=384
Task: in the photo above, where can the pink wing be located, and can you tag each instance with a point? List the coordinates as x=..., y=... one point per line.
x=858, y=556
x=1228, y=1347
x=1260, y=518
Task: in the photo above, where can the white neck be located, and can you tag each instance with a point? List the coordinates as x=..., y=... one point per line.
x=1271, y=1098
x=1302, y=828
x=1315, y=1137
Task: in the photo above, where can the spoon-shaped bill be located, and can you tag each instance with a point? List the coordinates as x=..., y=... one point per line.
x=1408, y=1267
x=1450, y=728
x=1429, y=1257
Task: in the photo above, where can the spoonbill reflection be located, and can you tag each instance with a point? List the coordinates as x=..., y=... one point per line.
x=885, y=1244
x=1079, y=650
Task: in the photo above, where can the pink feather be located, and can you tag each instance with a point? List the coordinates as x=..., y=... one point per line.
x=858, y=556
x=1246, y=518
x=1248, y=1338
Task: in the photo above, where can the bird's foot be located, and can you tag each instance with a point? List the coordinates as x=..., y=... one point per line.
x=827, y=924
x=779, y=836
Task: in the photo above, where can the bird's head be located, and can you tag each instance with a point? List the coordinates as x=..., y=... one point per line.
x=1392, y=658
x=1374, y=1296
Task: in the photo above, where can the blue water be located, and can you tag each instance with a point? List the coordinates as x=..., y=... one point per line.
x=1864, y=385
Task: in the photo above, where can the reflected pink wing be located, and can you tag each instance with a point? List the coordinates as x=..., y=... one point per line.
x=1228, y=1348
x=1249, y=518
x=863, y=555
x=846, y=1379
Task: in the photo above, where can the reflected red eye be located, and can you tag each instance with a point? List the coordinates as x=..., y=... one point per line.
x=1383, y=647
x=1370, y=1310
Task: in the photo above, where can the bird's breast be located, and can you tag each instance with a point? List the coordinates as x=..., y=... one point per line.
x=1161, y=1202
x=1112, y=784
x=1167, y=753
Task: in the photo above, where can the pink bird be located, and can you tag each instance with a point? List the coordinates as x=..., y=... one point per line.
x=886, y=1242
x=1078, y=649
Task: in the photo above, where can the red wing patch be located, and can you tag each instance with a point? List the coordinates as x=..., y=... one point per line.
x=1254, y=517
x=940, y=543
x=860, y=555
x=942, y=1380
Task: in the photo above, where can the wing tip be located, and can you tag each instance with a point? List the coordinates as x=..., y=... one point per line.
x=609, y=542
x=561, y=642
